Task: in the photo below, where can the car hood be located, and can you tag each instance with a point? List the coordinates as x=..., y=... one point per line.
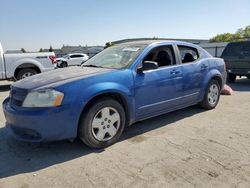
x=61, y=76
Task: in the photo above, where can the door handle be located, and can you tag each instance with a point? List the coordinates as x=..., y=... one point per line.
x=175, y=72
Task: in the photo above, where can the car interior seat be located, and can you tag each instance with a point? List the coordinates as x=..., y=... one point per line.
x=163, y=59
x=188, y=58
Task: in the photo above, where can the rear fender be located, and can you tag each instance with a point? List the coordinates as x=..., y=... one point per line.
x=210, y=75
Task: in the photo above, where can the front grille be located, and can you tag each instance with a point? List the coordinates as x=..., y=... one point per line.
x=17, y=96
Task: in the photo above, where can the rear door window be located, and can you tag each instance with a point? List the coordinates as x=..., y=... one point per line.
x=188, y=54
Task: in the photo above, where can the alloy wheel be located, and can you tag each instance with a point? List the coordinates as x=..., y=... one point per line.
x=105, y=124
x=213, y=94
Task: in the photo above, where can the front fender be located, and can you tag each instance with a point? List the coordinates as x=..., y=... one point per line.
x=111, y=87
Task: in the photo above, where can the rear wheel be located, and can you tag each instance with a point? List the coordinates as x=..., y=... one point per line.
x=24, y=73
x=231, y=77
x=212, y=95
x=102, y=124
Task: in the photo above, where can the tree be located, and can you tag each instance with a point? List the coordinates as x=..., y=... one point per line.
x=41, y=50
x=244, y=33
x=225, y=37
x=23, y=50
x=239, y=35
x=50, y=49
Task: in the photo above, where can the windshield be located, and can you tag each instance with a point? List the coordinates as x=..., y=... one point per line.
x=65, y=56
x=115, y=57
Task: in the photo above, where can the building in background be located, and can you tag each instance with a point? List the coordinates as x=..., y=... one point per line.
x=215, y=49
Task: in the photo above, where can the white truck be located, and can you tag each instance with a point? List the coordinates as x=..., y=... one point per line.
x=22, y=65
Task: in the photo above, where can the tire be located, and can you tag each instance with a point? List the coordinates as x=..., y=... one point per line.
x=64, y=64
x=24, y=73
x=212, y=95
x=231, y=77
x=102, y=124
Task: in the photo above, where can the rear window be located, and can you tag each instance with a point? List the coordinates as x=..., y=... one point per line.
x=237, y=49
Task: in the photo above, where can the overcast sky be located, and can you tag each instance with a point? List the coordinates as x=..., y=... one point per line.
x=34, y=24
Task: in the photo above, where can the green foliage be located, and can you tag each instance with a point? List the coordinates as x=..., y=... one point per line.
x=244, y=33
x=41, y=50
x=225, y=37
x=239, y=35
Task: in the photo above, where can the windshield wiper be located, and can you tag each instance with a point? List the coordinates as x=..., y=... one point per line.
x=92, y=66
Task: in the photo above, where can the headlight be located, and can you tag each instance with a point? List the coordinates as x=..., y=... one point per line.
x=43, y=98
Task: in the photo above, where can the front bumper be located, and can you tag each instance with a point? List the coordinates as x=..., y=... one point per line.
x=40, y=125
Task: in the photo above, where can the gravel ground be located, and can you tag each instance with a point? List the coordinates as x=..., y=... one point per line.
x=187, y=148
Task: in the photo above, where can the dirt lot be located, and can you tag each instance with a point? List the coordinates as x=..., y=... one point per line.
x=187, y=148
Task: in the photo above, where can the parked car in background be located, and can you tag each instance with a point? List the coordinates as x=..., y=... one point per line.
x=97, y=100
x=22, y=65
x=237, y=59
x=72, y=59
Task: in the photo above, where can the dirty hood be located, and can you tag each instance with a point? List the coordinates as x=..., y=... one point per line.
x=59, y=75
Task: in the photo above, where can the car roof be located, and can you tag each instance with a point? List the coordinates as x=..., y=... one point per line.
x=158, y=42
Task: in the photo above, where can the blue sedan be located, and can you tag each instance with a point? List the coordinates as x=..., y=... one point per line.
x=121, y=85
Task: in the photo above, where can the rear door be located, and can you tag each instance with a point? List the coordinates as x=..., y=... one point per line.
x=194, y=70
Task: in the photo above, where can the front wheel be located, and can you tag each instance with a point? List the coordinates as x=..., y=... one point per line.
x=212, y=95
x=64, y=64
x=102, y=124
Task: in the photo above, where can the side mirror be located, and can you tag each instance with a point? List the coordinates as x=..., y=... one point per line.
x=147, y=65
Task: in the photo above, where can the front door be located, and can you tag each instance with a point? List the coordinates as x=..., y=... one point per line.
x=158, y=91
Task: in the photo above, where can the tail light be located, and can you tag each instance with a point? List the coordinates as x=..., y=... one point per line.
x=53, y=59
